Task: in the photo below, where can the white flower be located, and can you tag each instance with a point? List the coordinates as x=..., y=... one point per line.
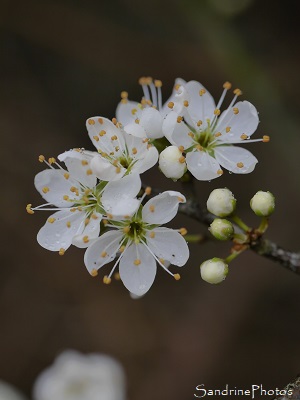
x=8, y=392
x=263, y=203
x=141, y=243
x=172, y=162
x=120, y=154
x=221, y=229
x=145, y=119
x=214, y=271
x=75, y=376
x=221, y=202
x=79, y=201
x=197, y=126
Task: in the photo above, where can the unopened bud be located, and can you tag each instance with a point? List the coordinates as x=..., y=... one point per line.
x=263, y=203
x=221, y=202
x=221, y=229
x=214, y=271
x=172, y=163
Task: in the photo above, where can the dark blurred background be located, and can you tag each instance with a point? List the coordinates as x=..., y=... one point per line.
x=64, y=61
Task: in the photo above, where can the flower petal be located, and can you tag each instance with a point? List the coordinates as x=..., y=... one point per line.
x=162, y=208
x=90, y=232
x=200, y=107
x=104, y=170
x=241, y=119
x=135, y=129
x=177, y=133
x=168, y=245
x=53, y=185
x=60, y=229
x=202, y=166
x=143, y=164
x=137, y=278
x=165, y=109
x=118, y=197
x=151, y=120
x=236, y=159
x=103, y=250
x=127, y=112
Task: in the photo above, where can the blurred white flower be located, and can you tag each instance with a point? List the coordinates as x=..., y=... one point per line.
x=74, y=376
x=8, y=392
x=197, y=126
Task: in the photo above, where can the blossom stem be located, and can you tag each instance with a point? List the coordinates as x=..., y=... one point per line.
x=240, y=223
x=263, y=225
x=233, y=255
x=194, y=238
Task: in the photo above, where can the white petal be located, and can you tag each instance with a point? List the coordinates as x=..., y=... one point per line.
x=165, y=109
x=162, y=208
x=137, y=278
x=78, y=164
x=59, y=234
x=124, y=112
x=236, y=159
x=151, y=120
x=53, y=186
x=176, y=133
x=102, y=250
x=104, y=170
x=136, y=130
x=150, y=159
x=90, y=232
x=118, y=197
x=200, y=107
x=244, y=122
x=104, y=143
x=168, y=245
x=202, y=166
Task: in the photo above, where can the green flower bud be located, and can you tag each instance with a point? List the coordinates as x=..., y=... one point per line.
x=221, y=202
x=214, y=270
x=221, y=229
x=263, y=203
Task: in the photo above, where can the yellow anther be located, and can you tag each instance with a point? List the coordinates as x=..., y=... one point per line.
x=266, y=139
x=177, y=277
x=68, y=224
x=181, y=148
x=148, y=80
x=180, y=199
x=89, y=172
x=171, y=104
x=104, y=221
x=118, y=170
x=106, y=280
x=115, y=163
x=228, y=129
x=199, y=123
x=191, y=134
x=86, y=221
x=124, y=95
x=227, y=85
x=100, y=120
x=117, y=276
x=148, y=190
x=73, y=209
x=151, y=208
x=181, y=159
x=124, y=101
x=152, y=234
x=85, y=239
x=186, y=103
x=114, y=121
x=28, y=209
x=199, y=147
x=220, y=172
x=137, y=261
x=142, y=80
x=137, y=121
x=149, y=146
x=117, y=148
x=237, y=92
x=133, y=111
x=134, y=150
x=161, y=260
x=84, y=162
x=66, y=197
x=94, y=216
x=61, y=252
x=102, y=133
x=202, y=92
x=183, y=231
x=103, y=254
x=110, y=216
x=217, y=111
x=73, y=189
x=146, y=140
x=121, y=249
x=66, y=175
x=91, y=121
x=158, y=83
x=87, y=191
x=79, y=208
x=45, y=189
x=179, y=119
x=51, y=160
x=41, y=158
x=126, y=216
x=235, y=110
x=217, y=134
x=244, y=136
x=126, y=229
x=114, y=137
x=94, y=272
x=240, y=165
x=177, y=86
x=96, y=138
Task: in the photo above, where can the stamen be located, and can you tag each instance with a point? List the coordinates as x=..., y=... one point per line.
x=177, y=277
x=236, y=110
x=94, y=272
x=199, y=123
x=266, y=139
x=106, y=280
x=181, y=159
x=179, y=119
x=237, y=92
x=89, y=172
x=103, y=254
x=202, y=92
x=220, y=172
x=151, y=208
x=228, y=129
x=85, y=239
x=183, y=231
x=181, y=148
x=68, y=224
x=244, y=136
x=152, y=234
x=148, y=190
x=51, y=220
x=186, y=103
x=134, y=150
x=171, y=104
x=41, y=158
x=117, y=276
x=45, y=189
x=137, y=261
x=240, y=165
x=91, y=121
x=66, y=175
x=61, y=252
x=84, y=162
x=28, y=209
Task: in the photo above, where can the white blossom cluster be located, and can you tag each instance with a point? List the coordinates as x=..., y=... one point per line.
x=95, y=193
